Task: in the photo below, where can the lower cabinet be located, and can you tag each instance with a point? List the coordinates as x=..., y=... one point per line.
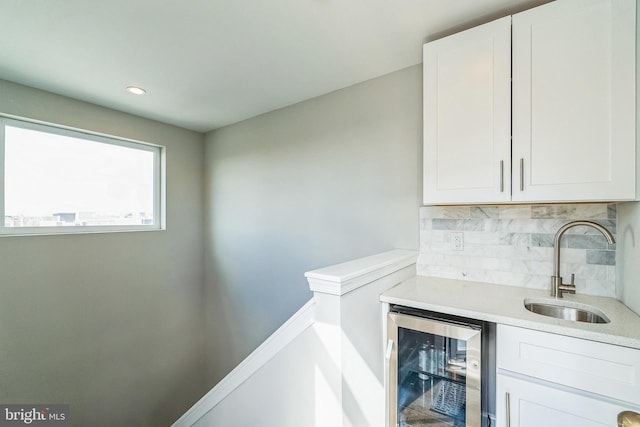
x=550, y=380
x=528, y=403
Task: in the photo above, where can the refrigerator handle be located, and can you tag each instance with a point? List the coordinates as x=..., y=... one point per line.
x=387, y=363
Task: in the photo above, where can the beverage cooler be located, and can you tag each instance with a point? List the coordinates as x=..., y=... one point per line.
x=435, y=370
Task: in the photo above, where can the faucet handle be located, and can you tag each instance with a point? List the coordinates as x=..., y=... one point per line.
x=567, y=288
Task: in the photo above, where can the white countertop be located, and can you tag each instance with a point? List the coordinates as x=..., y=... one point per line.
x=505, y=305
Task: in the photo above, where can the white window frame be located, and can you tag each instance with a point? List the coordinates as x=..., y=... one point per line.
x=159, y=181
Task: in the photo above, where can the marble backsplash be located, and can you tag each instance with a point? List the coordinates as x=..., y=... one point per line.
x=513, y=245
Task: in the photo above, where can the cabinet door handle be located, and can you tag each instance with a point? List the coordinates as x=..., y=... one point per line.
x=501, y=176
x=628, y=419
x=508, y=409
x=521, y=174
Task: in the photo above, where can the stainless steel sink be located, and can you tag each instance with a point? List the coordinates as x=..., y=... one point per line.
x=566, y=310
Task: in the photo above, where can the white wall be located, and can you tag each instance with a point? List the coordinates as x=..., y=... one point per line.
x=111, y=324
x=280, y=394
x=326, y=180
x=628, y=243
x=628, y=247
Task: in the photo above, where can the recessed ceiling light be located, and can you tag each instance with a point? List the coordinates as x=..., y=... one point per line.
x=136, y=90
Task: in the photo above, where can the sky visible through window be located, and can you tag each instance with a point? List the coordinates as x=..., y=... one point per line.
x=57, y=180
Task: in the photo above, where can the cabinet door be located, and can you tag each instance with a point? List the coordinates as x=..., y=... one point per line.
x=574, y=101
x=570, y=361
x=535, y=404
x=467, y=94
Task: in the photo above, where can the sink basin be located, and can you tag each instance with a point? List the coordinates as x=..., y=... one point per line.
x=566, y=310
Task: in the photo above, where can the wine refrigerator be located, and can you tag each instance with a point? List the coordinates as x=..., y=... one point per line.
x=435, y=370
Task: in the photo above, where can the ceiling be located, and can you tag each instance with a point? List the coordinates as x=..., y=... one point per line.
x=210, y=63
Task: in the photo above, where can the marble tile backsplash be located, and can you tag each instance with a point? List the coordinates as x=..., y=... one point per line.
x=513, y=245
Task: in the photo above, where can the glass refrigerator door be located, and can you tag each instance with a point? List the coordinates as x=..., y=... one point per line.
x=435, y=373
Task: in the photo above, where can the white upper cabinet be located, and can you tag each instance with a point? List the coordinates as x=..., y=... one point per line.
x=570, y=109
x=467, y=115
x=574, y=101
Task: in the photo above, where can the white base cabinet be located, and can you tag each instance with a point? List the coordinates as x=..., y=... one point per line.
x=526, y=403
x=551, y=380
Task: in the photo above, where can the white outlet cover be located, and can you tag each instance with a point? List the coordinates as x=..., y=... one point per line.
x=457, y=240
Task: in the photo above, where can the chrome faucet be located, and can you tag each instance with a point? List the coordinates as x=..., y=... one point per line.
x=557, y=287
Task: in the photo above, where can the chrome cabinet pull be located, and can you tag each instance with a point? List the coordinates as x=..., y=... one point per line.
x=508, y=408
x=521, y=174
x=501, y=176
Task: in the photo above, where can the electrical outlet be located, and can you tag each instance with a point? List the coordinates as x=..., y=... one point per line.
x=457, y=240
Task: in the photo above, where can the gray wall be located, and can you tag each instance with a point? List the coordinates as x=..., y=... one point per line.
x=110, y=323
x=321, y=182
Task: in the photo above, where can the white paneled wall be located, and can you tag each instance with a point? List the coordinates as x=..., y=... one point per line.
x=324, y=366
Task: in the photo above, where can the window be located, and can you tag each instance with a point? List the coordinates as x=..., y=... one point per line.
x=58, y=180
